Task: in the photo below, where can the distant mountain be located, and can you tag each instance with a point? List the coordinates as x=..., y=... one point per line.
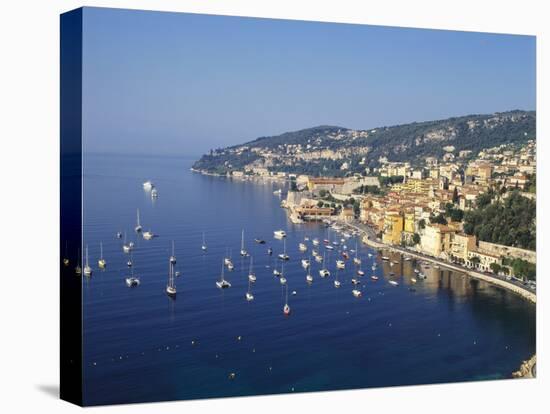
x=333, y=150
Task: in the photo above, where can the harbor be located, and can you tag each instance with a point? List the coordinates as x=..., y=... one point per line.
x=241, y=340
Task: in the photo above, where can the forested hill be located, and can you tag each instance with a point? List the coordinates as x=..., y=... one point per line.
x=322, y=150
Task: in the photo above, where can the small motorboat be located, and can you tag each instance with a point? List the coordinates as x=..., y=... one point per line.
x=357, y=293
x=259, y=241
x=373, y=277
x=360, y=272
x=393, y=282
x=324, y=273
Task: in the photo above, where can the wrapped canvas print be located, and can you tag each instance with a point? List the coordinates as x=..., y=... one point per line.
x=257, y=206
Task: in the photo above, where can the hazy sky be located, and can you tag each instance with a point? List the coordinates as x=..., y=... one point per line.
x=182, y=83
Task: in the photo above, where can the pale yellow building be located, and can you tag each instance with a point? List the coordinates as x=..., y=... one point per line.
x=393, y=226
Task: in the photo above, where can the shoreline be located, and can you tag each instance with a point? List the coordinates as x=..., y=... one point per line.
x=527, y=369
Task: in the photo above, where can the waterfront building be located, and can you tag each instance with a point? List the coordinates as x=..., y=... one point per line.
x=461, y=244
x=481, y=260
x=436, y=240
x=393, y=226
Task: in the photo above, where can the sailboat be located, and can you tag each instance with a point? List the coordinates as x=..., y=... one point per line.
x=243, y=250
x=101, y=262
x=309, y=277
x=249, y=296
x=126, y=247
x=251, y=274
x=138, y=224
x=171, y=286
x=302, y=247
x=337, y=283
x=222, y=283
x=282, y=278
x=132, y=281
x=78, y=269
x=324, y=271
x=286, y=308
x=87, y=268
x=173, y=256
x=227, y=260
x=203, y=246
x=356, y=259
x=283, y=255
x=154, y=193
x=129, y=263
x=340, y=264
x=66, y=256
x=357, y=292
x=306, y=263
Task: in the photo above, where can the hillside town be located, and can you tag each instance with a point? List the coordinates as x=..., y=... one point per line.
x=423, y=207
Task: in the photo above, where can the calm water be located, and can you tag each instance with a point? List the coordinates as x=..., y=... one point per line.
x=138, y=343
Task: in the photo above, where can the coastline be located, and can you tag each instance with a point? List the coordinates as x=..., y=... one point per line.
x=527, y=369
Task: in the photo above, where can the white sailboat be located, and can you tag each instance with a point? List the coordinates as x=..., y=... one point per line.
x=131, y=280
x=282, y=278
x=340, y=264
x=337, y=283
x=356, y=259
x=357, y=293
x=101, y=262
x=222, y=283
x=171, y=286
x=125, y=246
x=286, y=308
x=279, y=234
x=154, y=193
x=78, y=268
x=243, y=250
x=66, y=256
x=309, y=277
x=283, y=255
x=324, y=271
x=302, y=247
x=306, y=263
x=203, y=246
x=87, y=268
x=249, y=296
x=138, y=224
x=251, y=274
x=173, y=256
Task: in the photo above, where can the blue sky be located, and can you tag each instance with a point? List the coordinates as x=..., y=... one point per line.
x=182, y=83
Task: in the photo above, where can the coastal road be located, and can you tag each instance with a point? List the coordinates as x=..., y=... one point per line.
x=371, y=235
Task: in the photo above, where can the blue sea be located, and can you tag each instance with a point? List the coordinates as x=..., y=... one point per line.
x=140, y=345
